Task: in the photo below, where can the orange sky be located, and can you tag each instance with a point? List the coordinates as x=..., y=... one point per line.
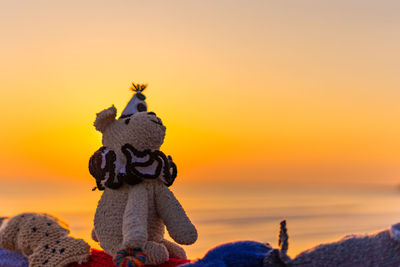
x=255, y=89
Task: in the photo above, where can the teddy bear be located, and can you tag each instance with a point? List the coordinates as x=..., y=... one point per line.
x=134, y=176
x=43, y=239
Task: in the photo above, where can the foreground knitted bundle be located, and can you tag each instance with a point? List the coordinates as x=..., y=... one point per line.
x=380, y=249
x=43, y=239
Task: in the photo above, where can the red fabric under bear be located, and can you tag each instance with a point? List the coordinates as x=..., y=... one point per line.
x=99, y=258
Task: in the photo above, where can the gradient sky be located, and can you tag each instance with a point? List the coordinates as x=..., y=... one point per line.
x=262, y=90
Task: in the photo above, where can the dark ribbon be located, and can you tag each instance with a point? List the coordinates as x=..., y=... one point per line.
x=165, y=168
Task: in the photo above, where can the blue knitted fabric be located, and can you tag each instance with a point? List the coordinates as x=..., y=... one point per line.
x=12, y=259
x=238, y=254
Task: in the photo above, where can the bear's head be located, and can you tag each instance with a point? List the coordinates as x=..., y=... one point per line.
x=130, y=152
x=142, y=130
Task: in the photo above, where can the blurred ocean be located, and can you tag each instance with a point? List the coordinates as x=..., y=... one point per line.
x=314, y=213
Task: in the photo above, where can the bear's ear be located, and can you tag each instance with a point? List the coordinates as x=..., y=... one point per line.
x=395, y=232
x=105, y=118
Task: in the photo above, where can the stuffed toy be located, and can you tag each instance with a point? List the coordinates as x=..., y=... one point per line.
x=135, y=176
x=43, y=240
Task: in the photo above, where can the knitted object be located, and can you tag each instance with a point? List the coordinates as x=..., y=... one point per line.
x=12, y=259
x=133, y=213
x=111, y=172
x=380, y=249
x=238, y=254
x=130, y=258
x=137, y=102
x=247, y=254
x=43, y=239
x=279, y=256
x=283, y=238
x=99, y=258
x=134, y=217
x=172, y=262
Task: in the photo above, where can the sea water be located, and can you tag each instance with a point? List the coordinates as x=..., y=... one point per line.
x=227, y=212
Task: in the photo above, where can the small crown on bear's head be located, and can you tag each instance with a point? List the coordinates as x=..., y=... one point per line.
x=137, y=102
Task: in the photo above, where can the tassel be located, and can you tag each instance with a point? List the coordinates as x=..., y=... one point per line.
x=130, y=258
x=138, y=87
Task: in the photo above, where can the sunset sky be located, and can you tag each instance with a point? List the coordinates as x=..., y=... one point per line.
x=265, y=91
x=274, y=110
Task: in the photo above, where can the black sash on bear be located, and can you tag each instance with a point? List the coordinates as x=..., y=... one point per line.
x=139, y=165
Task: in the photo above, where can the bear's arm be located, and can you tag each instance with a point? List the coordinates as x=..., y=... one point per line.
x=134, y=225
x=171, y=212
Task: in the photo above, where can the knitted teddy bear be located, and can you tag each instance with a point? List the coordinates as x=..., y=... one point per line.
x=43, y=239
x=135, y=175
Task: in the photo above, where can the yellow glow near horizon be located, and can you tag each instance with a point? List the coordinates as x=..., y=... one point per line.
x=250, y=84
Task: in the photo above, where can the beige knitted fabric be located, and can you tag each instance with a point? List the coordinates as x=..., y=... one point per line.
x=133, y=216
x=140, y=131
x=43, y=239
x=379, y=249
